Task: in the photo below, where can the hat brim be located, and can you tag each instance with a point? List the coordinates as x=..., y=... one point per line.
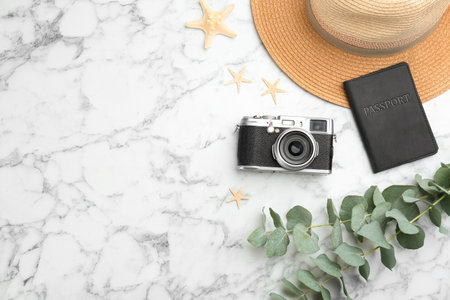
x=321, y=68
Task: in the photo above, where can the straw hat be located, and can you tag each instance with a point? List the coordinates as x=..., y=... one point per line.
x=320, y=44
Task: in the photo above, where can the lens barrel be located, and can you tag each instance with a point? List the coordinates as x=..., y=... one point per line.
x=295, y=149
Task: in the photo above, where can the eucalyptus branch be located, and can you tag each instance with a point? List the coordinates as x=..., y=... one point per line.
x=321, y=225
x=366, y=217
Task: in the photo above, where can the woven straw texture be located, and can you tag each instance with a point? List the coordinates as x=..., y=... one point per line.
x=321, y=68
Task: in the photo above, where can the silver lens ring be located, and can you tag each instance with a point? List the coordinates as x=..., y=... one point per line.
x=286, y=162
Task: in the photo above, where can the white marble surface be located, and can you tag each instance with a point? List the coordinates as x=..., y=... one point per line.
x=118, y=148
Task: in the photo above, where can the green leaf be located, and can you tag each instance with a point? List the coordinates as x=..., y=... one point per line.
x=325, y=293
x=443, y=230
x=332, y=213
x=304, y=242
x=344, y=288
x=258, y=237
x=277, y=243
x=440, y=188
x=308, y=279
x=347, y=205
x=379, y=213
x=445, y=204
x=378, y=197
x=276, y=219
x=350, y=255
x=442, y=176
x=409, y=196
x=276, y=296
x=292, y=287
x=373, y=232
x=298, y=214
x=394, y=192
x=426, y=185
x=388, y=257
x=368, y=195
x=410, y=210
x=358, y=217
x=402, y=221
x=364, y=270
x=435, y=216
x=336, y=234
x=411, y=241
x=328, y=266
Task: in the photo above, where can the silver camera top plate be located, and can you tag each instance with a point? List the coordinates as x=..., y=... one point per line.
x=287, y=122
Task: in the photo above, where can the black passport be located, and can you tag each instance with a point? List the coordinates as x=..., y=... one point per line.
x=390, y=117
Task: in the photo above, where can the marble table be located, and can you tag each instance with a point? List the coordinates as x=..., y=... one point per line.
x=118, y=149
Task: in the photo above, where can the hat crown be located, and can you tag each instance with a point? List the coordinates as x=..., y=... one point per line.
x=377, y=24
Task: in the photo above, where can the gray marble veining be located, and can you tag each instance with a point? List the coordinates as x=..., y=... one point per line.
x=118, y=148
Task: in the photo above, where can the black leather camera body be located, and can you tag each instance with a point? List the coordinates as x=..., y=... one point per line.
x=286, y=144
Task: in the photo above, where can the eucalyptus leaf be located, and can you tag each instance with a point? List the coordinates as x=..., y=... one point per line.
x=350, y=255
x=443, y=230
x=373, y=232
x=412, y=241
x=358, y=218
x=347, y=205
x=364, y=270
x=425, y=185
x=409, y=196
x=292, y=287
x=442, y=176
x=325, y=293
x=368, y=195
x=305, y=242
x=331, y=210
x=336, y=234
x=277, y=243
x=308, y=279
x=445, y=204
x=377, y=197
x=388, y=257
x=440, y=188
x=298, y=214
x=258, y=237
x=402, y=221
x=325, y=264
x=435, y=215
x=410, y=210
x=394, y=192
x=276, y=219
x=379, y=213
x=344, y=288
x=277, y=296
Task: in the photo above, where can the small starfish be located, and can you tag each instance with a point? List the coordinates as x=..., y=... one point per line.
x=212, y=22
x=238, y=78
x=237, y=197
x=273, y=89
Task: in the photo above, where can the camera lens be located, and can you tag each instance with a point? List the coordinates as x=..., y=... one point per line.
x=295, y=149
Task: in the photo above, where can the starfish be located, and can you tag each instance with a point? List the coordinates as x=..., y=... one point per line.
x=273, y=89
x=212, y=22
x=237, y=197
x=238, y=78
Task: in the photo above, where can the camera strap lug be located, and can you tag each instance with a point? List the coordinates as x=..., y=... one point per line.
x=237, y=128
